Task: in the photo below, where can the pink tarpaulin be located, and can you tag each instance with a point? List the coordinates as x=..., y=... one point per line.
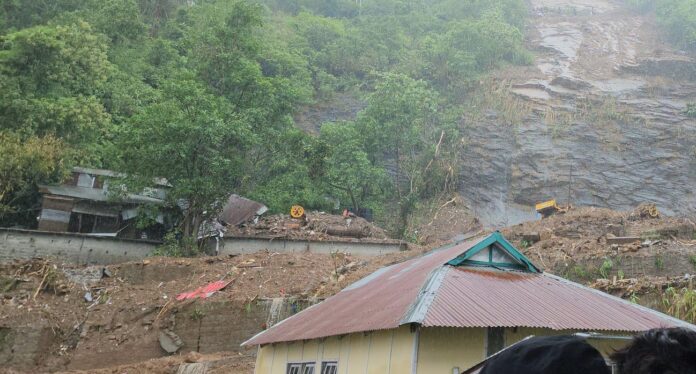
x=204, y=291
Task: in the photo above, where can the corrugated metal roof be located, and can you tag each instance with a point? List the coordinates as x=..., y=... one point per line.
x=96, y=194
x=471, y=297
x=114, y=174
x=378, y=301
x=429, y=292
x=240, y=209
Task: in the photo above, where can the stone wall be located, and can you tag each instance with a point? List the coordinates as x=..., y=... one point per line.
x=217, y=326
x=23, y=347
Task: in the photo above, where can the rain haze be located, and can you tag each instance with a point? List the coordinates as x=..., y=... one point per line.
x=311, y=186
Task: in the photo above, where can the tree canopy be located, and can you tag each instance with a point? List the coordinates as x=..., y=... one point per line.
x=206, y=95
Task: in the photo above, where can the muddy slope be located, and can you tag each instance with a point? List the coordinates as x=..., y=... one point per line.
x=601, y=121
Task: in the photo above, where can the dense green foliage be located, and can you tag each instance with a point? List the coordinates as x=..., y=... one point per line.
x=690, y=110
x=677, y=18
x=23, y=165
x=203, y=94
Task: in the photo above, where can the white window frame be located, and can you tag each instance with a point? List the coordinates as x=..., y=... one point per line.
x=326, y=367
x=301, y=367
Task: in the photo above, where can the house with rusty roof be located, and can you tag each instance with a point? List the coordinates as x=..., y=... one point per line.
x=444, y=312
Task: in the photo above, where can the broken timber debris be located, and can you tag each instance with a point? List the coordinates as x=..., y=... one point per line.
x=623, y=239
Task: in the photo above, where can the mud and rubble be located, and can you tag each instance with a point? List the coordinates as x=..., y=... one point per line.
x=98, y=321
x=67, y=318
x=319, y=226
x=56, y=317
x=446, y=221
x=590, y=243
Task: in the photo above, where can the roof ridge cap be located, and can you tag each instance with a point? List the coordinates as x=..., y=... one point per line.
x=419, y=309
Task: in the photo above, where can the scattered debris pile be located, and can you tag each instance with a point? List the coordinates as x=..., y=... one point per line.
x=315, y=226
x=447, y=221
x=631, y=287
x=66, y=317
x=637, y=243
x=122, y=318
x=645, y=210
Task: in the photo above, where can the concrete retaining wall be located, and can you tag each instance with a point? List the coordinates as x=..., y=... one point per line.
x=70, y=247
x=241, y=245
x=85, y=249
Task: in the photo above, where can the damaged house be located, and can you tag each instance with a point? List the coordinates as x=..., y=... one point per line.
x=84, y=204
x=445, y=312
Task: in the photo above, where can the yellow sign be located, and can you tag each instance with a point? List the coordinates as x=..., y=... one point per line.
x=296, y=211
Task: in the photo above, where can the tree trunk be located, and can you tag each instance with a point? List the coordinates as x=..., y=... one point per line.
x=353, y=200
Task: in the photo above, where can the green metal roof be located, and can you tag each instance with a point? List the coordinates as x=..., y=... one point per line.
x=495, y=241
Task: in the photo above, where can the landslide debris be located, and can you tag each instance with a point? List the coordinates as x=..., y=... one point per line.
x=108, y=319
x=316, y=226
x=590, y=243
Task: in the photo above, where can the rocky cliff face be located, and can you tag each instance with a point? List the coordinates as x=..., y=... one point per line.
x=601, y=122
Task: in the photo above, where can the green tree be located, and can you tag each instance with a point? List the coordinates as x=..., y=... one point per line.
x=348, y=170
x=678, y=18
x=49, y=82
x=404, y=130
x=26, y=162
x=120, y=20
x=19, y=14
x=195, y=141
x=468, y=49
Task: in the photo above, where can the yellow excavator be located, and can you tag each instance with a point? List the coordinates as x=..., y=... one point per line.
x=551, y=207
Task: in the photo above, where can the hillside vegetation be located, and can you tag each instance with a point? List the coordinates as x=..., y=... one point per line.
x=676, y=17
x=203, y=94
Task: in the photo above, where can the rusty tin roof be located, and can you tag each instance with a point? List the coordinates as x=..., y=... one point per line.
x=239, y=209
x=430, y=291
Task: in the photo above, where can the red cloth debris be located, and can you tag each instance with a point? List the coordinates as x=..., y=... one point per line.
x=204, y=291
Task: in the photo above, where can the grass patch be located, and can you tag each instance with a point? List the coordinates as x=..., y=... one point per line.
x=659, y=262
x=497, y=96
x=692, y=260
x=681, y=303
x=606, y=268
x=580, y=272
x=651, y=235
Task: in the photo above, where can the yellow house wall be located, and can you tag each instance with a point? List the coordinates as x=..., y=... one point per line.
x=379, y=352
x=402, y=351
x=441, y=349
x=357, y=361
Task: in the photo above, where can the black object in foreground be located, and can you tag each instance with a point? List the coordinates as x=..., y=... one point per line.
x=549, y=355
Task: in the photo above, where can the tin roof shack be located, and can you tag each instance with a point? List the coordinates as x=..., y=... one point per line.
x=239, y=210
x=442, y=312
x=83, y=204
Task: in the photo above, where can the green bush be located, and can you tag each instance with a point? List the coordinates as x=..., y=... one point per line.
x=690, y=110
x=606, y=267
x=176, y=245
x=678, y=19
